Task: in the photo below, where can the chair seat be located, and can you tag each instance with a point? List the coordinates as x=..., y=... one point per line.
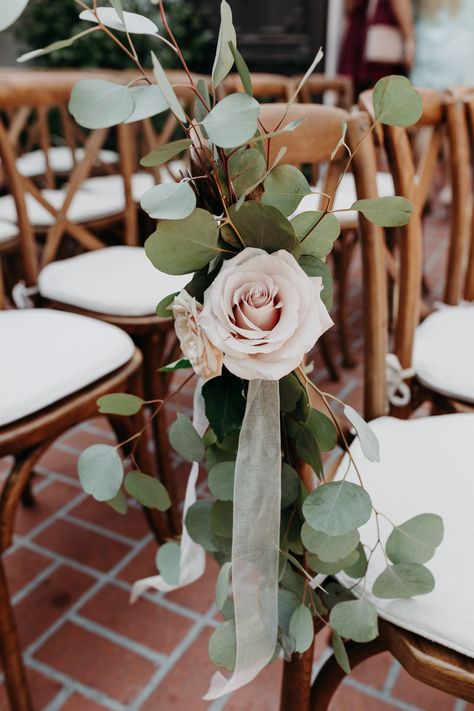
x=426, y=466
x=8, y=231
x=113, y=185
x=345, y=197
x=119, y=281
x=47, y=355
x=443, y=355
x=60, y=160
x=87, y=206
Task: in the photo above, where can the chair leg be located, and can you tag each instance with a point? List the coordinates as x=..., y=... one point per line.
x=296, y=682
x=331, y=675
x=343, y=263
x=10, y=652
x=328, y=358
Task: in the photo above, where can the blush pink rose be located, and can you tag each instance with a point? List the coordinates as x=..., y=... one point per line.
x=264, y=313
x=196, y=347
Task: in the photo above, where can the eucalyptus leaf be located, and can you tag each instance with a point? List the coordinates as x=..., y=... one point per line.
x=129, y=22
x=221, y=519
x=290, y=392
x=403, y=580
x=308, y=450
x=355, y=619
x=242, y=69
x=263, y=226
x=185, y=440
x=323, y=429
x=223, y=646
x=198, y=524
x=100, y=471
x=181, y=364
x=317, y=232
x=10, y=11
x=301, y=628
x=183, y=246
x=287, y=604
x=341, y=142
x=340, y=652
x=224, y=58
x=312, y=266
x=221, y=481
x=202, y=109
x=285, y=186
x=367, y=438
x=167, y=90
x=224, y=403
x=359, y=568
x=164, y=309
x=329, y=548
x=168, y=560
x=117, y=5
x=333, y=593
x=233, y=120
x=96, y=103
x=120, y=404
x=331, y=567
x=290, y=485
x=164, y=153
x=119, y=502
x=222, y=585
x=148, y=101
x=246, y=167
x=416, y=540
x=309, y=71
x=169, y=201
x=53, y=47
x=396, y=102
x=337, y=508
x=392, y=211
x=147, y=490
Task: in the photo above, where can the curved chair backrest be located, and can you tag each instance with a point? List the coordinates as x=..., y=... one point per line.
x=317, y=85
x=413, y=159
x=266, y=87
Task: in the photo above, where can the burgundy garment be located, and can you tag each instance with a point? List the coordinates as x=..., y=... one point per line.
x=352, y=62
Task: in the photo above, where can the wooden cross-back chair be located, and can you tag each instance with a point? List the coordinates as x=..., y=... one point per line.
x=468, y=100
x=265, y=86
x=116, y=284
x=442, y=129
x=316, y=86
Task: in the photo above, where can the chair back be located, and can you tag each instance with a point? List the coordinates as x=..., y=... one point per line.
x=317, y=86
x=413, y=155
x=468, y=100
x=265, y=87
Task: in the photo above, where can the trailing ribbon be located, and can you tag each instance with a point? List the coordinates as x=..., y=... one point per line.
x=255, y=538
x=398, y=392
x=192, y=560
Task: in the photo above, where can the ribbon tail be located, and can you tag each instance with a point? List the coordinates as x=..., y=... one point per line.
x=192, y=556
x=255, y=544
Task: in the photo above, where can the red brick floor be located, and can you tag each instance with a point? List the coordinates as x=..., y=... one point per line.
x=71, y=568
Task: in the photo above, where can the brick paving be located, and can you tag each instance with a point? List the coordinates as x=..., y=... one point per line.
x=71, y=567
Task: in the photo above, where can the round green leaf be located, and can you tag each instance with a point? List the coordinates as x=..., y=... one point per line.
x=393, y=211
x=308, y=450
x=285, y=187
x=10, y=11
x=287, y=604
x=224, y=59
x=246, y=167
x=221, y=518
x=290, y=485
x=132, y=22
x=223, y=646
x=415, y=540
x=222, y=585
x=197, y=524
x=301, y=628
x=147, y=490
x=164, y=309
x=120, y=404
x=168, y=562
x=337, y=508
x=329, y=548
x=332, y=567
x=317, y=232
x=100, y=471
x=119, y=503
x=148, y=101
x=312, y=266
x=221, y=481
x=367, y=439
x=323, y=429
x=233, y=120
x=403, y=580
x=169, y=201
x=185, y=440
x=359, y=568
x=166, y=152
x=396, y=102
x=290, y=392
x=340, y=652
x=184, y=246
x=264, y=227
x=96, y=103
x=355, y=619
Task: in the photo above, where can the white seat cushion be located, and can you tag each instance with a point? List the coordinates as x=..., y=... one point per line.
x=85, y=207
x=120, y=281
x=8, y=230
x=113, y=184
x=346, y=196
x=47, y=355
x=427, y=466
x=60, y=160
x=443, y=356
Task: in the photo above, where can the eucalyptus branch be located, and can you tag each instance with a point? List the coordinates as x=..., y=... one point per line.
x=175, y=44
